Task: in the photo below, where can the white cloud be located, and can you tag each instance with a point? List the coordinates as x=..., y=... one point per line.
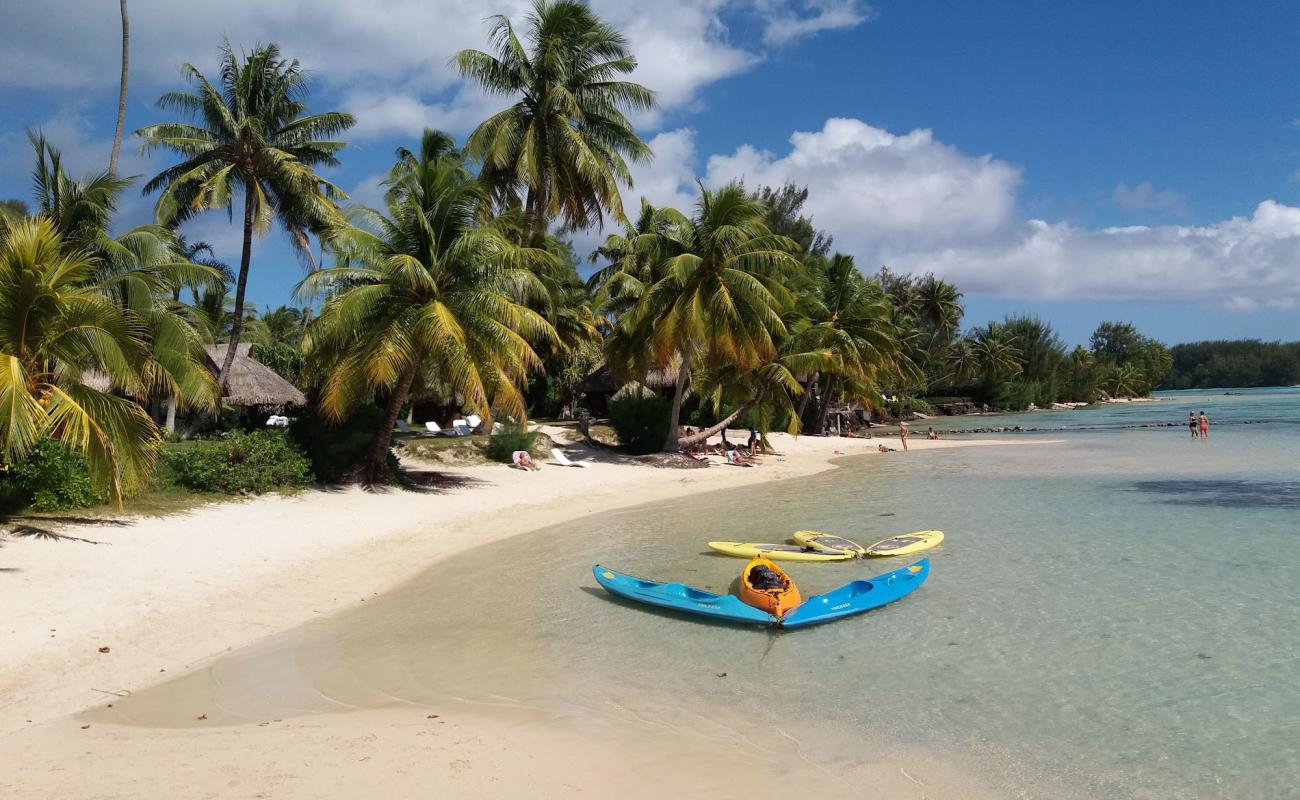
x=871, y=187
x=389, y=58
x=785, y=23
x=1144, y=197
x=916, y=204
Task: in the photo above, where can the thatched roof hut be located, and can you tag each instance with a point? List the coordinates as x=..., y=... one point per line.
x=252, y=383
x=603, y=380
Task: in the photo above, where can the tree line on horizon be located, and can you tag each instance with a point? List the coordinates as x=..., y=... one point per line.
x=463, y=286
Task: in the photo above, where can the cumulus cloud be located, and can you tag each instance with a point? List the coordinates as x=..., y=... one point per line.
x=873, y=187
x=390, y=58
x=917, y=204
x=1144, y=197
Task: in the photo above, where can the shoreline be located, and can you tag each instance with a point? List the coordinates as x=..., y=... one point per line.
x=140, y=593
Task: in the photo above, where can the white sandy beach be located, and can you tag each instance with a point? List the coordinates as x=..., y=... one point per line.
x=167, y=595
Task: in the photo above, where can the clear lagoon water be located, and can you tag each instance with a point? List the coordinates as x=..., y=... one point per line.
x=1115, y=614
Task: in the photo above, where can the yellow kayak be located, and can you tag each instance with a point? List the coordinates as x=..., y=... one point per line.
x=905, y=544
x=777, y=552
x=828, y=543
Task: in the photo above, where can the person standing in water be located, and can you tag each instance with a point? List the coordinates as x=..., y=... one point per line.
x=1192, y=425
x=1205, y=427
x=902, y=434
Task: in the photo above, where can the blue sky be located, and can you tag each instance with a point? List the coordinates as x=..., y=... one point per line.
x=1077, y=160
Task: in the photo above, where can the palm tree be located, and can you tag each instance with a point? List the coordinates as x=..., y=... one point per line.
x=630, y=260
x=850, y=317
x=254, y=135
x=430, y=288
x=121, y=90
x=61, y=327
x=566, y=139
x=137, y=270
x=721, y=295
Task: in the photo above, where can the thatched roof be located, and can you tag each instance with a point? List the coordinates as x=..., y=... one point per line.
x=603, y=380
x=252, y=383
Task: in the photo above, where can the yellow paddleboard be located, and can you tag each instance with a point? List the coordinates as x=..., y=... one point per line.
x=828, y=543
x=777, y=552
x=905, y=544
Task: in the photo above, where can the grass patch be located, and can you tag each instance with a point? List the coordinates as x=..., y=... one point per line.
x=463, y=451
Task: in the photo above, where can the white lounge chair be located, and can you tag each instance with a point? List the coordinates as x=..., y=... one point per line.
x=432, y=427
x=473, y=420
x=461, y=427
x=562, y=459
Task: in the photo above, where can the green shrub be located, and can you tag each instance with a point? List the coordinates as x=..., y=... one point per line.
x=50, y=478
x=920, y=406
x=502, y=444
x=334, y=449
x=641, y=421
x=239, y=463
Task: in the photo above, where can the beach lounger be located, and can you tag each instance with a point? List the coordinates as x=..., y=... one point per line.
x=473, y=420
x=562, y=459
x=461, y=427
x=407, y=431
x=435, y=430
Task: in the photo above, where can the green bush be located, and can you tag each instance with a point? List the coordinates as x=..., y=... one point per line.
x=239, y=463
x=920, y=406
x=641, y=421
x=334, y=449
x=50, y=478
x=502, y=444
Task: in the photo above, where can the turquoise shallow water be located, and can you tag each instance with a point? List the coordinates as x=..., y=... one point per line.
x=1114, y=614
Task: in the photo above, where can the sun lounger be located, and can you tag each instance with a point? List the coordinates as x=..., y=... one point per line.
x=461, y=427
x=473, y=420
x=407, y=431
x=562, y=459
x=435, y=430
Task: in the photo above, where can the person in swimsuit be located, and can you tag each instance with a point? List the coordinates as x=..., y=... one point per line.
x=1205, y=426
x=902, y=434
x=1191, y=423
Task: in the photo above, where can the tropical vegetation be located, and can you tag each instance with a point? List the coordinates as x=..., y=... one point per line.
x=463, y=291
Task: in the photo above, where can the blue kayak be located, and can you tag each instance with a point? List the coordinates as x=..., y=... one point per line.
x=858, y=596
x=680, y=597
x=854, y=597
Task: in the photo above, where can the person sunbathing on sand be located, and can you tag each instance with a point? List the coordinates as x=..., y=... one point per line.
x=884, y=449
x=522, y=460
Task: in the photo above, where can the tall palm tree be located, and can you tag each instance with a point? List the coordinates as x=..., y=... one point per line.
x=433, y=287
x=121, y=90
x=254, y=135
x=566, y=140
x=57, y=326
x=721, y=296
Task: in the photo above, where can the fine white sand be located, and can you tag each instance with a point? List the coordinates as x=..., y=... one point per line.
x=165, y=595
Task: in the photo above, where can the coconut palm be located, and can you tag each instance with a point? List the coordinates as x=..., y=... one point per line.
x=254, y=135
x=721, y=296
x=138, y=270
x=429, y=288
x=57, y=326
x=630, y=260
x=566, y=140
x=851, y=318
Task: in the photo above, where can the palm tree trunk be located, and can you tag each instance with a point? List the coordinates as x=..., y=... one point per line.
x=237, y=325
x=535, y=205
x=675, y=419
x=121, y=91
x=696, y=438
x=807, y=392
x=375, y=466
x=171, y=414
x=831, y=385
